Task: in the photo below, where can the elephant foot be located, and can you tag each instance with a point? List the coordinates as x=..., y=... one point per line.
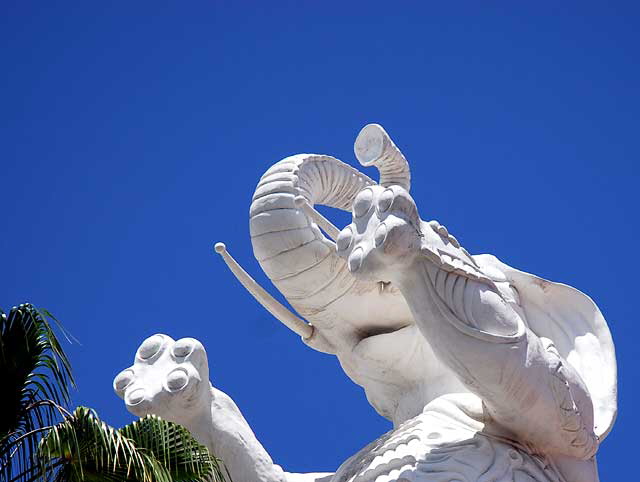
x=171, y=379
x=385, y=235
x=168, y=378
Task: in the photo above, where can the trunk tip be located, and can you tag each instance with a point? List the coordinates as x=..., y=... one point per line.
x=220, y=248
x=370, y=144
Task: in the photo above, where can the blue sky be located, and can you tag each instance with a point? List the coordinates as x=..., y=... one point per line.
x=132, y=135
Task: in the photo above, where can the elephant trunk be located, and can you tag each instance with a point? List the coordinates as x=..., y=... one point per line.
x=291, y=249
x=374, y=147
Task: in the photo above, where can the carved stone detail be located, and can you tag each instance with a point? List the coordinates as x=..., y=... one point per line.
x=487, y=373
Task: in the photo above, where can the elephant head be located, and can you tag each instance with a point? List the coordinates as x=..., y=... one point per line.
x=367, y=323
x=302, y=263
x=356, y=320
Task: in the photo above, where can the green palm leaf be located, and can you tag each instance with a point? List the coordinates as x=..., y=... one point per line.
x=83, y=448
x=36, y=376
x=175, y=448
x=35, y=445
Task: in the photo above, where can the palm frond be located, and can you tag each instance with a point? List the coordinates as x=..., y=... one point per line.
x=175, y=448
x=37, y=378
x=83, y=448
x=36, y=445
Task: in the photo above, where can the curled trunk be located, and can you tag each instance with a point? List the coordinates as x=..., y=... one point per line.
x=290, y=248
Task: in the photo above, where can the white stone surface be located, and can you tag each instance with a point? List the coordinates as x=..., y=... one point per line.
x=487, y=372
x=171, y=379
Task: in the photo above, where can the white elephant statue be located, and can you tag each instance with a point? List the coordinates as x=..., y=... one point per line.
x=487, y=373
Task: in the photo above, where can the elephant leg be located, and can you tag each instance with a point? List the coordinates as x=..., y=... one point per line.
x=527, y=387
x=171, y=380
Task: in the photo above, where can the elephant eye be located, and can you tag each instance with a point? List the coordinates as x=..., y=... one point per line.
x=362, y=203
x=344, y=239
x=385, y=200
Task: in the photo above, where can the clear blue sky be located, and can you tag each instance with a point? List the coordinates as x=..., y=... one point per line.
x=132, y=135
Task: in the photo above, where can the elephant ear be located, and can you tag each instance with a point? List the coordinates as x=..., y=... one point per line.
x=577, y=328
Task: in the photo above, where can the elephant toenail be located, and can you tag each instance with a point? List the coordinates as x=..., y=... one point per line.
x=362, y=203
x=177, y=379
x=150, y=347
x=385, y=200
x=344, y=239
x=380, y=235
x=136, y=396
x=123, y=380
x=182, y=348
x=355, y=260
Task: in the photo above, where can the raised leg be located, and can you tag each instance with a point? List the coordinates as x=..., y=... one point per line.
x=171, y=379
x=470, y=322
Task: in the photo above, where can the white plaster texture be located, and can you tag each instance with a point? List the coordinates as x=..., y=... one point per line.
x=487, y=372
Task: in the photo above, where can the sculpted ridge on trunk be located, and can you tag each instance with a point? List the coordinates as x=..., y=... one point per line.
x=294, y=253
x=285, y=241
x=487, y=373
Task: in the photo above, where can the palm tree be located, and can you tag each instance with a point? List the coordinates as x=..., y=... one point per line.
x=83, y=448
x=36, y=377
x=41, y=440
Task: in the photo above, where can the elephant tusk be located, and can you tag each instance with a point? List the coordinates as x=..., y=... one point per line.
x=326, y=225
x=272, y=305
x=374, y=147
